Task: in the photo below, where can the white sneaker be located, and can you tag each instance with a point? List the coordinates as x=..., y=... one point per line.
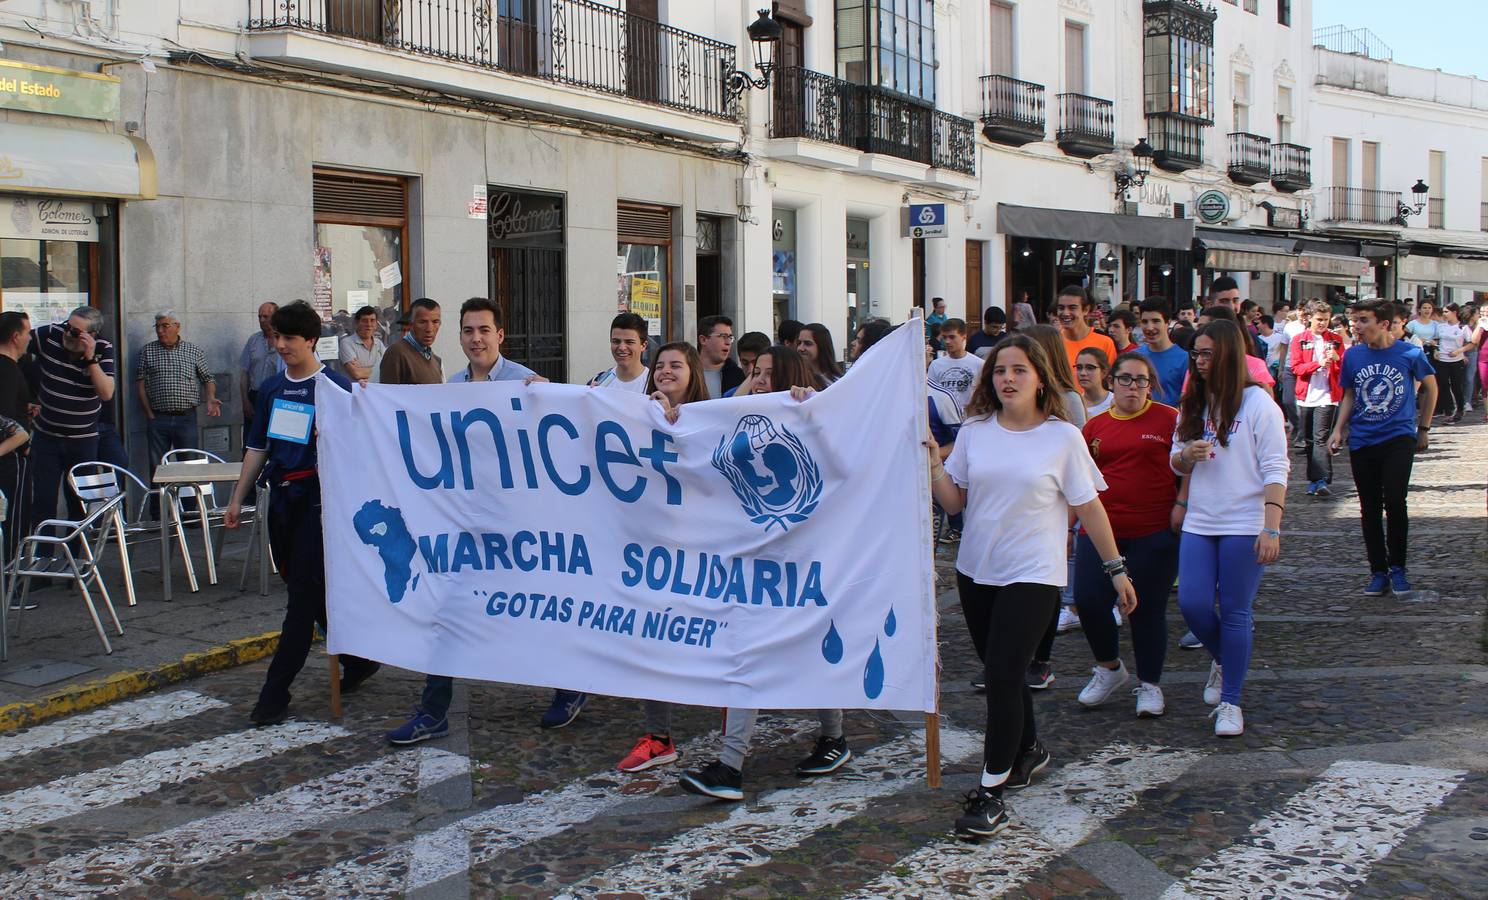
x=1228, y=722
x=1103, y=683
x=1213, y=686
x=1150, y=703
x=1069, y=620
x=1116, y=614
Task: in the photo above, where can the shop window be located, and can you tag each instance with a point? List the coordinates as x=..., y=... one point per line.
x=361, y=248
x=42, y=273
x=644, y=256
x=525, y=231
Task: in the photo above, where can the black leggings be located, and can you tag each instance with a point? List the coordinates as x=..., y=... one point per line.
x=1006, y=623
x=1152, y=561
x=1452, y=376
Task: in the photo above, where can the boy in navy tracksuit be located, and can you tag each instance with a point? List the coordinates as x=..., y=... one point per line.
x=281, y=443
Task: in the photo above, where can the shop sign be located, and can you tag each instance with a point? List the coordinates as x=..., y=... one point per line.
x=927, y=220
x=1281, y=217
x=42, y=219
x=1319, y=264
x=526, y=218
x=1213, y=206
x=58, y=92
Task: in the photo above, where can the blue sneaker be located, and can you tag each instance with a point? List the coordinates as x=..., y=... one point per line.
x=1398, y=583
x=1312, y=487
x=564, y=708
x=1323, y=490
x=421, y=727
x=1190, y=642
x=1379, y=582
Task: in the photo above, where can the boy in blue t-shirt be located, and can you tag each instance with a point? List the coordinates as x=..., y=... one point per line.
x=281, y=444
x=1170, y=360
x=1385, y=427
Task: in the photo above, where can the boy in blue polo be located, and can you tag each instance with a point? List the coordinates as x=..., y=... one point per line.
x=281, y=444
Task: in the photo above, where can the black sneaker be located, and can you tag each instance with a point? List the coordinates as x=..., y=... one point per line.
x=1030, y=762
x=268, y=713
x=353, y=677
x=723, y=782
x=983, y=814
x=829, y=755
x=979, y=683
x=1039, y=675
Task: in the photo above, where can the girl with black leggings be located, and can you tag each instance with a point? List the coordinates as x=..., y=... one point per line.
x=1011, y=564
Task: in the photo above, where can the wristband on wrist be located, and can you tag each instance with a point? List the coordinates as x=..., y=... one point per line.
x=1271, y=531
x=1111, y=565
x=1117, y=573
x=1275, y=504
x=1182, y=503
x=940, y=477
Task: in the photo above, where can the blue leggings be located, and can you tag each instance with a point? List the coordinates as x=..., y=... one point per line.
x=1225, y=566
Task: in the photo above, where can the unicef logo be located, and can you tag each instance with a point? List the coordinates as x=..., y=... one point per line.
x=773, y=475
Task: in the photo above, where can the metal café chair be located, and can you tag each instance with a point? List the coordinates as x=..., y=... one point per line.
x=97, y=483
x=208, y=511
x=91, y=535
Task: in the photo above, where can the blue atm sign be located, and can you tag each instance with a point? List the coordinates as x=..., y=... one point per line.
x=927, y=220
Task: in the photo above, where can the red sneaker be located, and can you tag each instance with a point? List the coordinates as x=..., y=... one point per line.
x=649, y=751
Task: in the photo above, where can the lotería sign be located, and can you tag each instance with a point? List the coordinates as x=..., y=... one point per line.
x=926, y=220
x=45, y=219
x=58, y=92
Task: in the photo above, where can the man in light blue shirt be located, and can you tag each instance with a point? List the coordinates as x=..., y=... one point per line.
x=481, y=334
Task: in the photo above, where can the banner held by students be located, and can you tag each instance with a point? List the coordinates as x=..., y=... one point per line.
x=758, y=553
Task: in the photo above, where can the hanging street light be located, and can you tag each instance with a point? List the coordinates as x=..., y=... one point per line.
x=764, y=34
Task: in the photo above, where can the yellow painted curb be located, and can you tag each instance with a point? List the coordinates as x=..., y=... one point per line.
x=89, y=694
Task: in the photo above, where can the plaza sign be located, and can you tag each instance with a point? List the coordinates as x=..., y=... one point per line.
x=58, y=92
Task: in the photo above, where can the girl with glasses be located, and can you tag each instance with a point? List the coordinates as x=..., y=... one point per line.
x=1091, y=367
x=1130, y=443
x=1230, y=440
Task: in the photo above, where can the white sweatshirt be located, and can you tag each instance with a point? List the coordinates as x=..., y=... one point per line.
x=1226, y=494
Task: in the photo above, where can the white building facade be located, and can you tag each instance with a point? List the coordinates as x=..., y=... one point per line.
x=1403, y=169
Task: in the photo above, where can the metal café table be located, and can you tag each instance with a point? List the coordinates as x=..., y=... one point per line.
x=175, y=476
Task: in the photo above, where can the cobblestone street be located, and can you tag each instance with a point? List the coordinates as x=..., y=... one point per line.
x=1363, y=770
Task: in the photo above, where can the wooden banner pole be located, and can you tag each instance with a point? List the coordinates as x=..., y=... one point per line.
x=335, y=685
x=932, y=750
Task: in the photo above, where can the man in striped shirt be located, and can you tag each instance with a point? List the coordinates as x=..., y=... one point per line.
x=77, y=378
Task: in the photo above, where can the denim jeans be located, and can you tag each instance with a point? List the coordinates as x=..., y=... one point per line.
x=167, y=432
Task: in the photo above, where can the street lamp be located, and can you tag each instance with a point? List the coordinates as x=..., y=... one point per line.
x=764, y=34
x=1403, y=212
x=1134, y=175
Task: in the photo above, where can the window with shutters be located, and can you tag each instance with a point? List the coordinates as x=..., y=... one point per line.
x=361, y=248
x=644, y=258
x=1240, y=104
x=1001, y=21
x=1284, y=115
x=1436, y=200
x=1074, y=58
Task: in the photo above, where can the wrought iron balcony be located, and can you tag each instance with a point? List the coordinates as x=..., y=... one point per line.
x=953, y=143
x=1177, y=142
x=1250, y=158
x=1087, y=125
x=1291, y=167
x=1012, y=110
x=811, y=105
x=577, y=42
x=1346, y=204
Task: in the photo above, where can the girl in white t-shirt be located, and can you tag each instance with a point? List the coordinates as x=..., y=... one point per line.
x=1231, y=442
x=1011, y=563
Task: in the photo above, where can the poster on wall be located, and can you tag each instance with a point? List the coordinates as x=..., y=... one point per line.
x=44, y=309
x=645, y=300
x=321, y=297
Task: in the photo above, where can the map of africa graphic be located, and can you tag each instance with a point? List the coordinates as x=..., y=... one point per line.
x=383, y=528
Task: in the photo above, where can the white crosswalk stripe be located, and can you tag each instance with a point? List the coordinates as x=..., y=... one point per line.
x=1049, y=818
x=482, y=837
x=782, y=819
x=73, y=794
x=121, y=866
x=156, y=709
x=1323, y=842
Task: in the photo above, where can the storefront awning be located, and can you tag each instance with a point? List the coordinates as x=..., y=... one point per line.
x=37, y=160
x=1241, y=252
x=1466, y=273
x=1093, y=227
x=1314, y=264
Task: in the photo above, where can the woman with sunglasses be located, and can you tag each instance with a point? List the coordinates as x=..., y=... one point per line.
x=1231, y=442
x=1091, y=367
x=1130, y=442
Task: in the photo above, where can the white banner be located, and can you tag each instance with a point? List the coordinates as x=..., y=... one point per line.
x=759, y=553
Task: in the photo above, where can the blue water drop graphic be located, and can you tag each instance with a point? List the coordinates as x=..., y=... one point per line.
x=832, y=645
x=891, y=624
x=873, y=674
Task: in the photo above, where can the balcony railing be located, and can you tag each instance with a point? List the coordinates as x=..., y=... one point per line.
x=1012, y=110
x=1291, y=167
x=577, y=42
x=953, y=143
x=1177, y=142
x=1087, y=125
x=808, y=104
x=1250, y=158
x=1346, y=204
x=819, y=107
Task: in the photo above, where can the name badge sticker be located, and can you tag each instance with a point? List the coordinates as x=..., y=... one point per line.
x=289, y=421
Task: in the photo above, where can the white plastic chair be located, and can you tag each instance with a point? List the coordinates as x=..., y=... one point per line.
x=96, y=483
x=91, y=534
